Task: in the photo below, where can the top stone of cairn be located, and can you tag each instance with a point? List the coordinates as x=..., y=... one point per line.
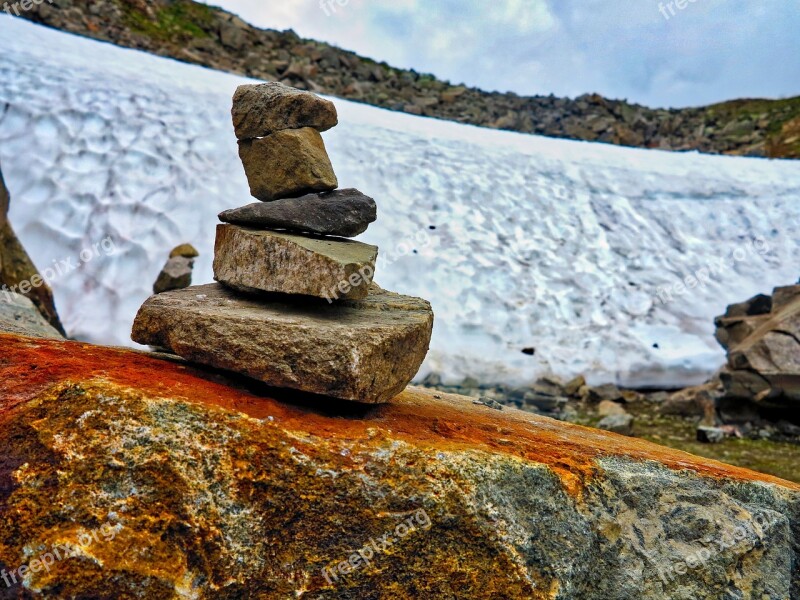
x=263, y=109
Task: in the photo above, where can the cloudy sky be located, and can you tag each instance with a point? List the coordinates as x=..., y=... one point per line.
x=712, y=50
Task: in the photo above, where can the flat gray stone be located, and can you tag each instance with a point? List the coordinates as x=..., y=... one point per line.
x=345, y=213
x=18, y=315
x=249, y=260
x=287, y=164
x=261, y=110
x=366, y=350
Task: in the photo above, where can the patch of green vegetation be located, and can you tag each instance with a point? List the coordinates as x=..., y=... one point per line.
x=774, y=458
x=176, y=21
x=777, y=111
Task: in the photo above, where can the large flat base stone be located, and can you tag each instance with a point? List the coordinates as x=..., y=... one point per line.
x=366, y=350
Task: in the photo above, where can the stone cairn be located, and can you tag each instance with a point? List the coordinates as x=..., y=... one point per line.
x=177, y=272
x=295, y=305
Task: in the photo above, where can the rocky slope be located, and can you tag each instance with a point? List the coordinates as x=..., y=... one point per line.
x=199, y=34
x=133, y=476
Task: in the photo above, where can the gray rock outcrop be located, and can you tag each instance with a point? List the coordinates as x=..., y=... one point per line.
x=762, y=337
x=18, y=315
x=18, y=274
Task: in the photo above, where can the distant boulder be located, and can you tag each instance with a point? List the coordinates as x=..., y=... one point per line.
x=762, y=337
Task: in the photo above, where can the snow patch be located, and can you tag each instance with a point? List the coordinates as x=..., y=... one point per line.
x=518, y=241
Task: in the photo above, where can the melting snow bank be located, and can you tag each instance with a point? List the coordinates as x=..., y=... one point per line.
x=577, y=250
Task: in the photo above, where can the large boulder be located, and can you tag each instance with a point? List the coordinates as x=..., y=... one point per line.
x=762, y=337
x=151, y=479
x=17, y=271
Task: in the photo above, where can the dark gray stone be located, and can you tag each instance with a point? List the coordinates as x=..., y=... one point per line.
x=344, y=213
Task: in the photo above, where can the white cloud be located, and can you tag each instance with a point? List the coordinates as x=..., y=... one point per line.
x=710, y=51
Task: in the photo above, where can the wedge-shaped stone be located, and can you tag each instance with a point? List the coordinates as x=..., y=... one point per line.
x=366, y=350
x=345, y=213
x=176, y=274
x=260, y=110
x=287, y=164
x=249, y=260
x=19, y=315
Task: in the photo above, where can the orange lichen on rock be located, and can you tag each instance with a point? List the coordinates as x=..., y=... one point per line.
x=29, y=366
x=216, y=487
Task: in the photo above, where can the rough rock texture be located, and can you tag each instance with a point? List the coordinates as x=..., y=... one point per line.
x=19, y=315
x=214, y=492
x=196, y=33
x=763, y=343
x=260, y=110
x=176, y=275
x=249, y=260
x=286, y=164
x=366, y=350
x=17, y=271
x=345, y=213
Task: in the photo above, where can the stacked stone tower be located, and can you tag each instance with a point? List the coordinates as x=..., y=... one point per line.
x=295, y=306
